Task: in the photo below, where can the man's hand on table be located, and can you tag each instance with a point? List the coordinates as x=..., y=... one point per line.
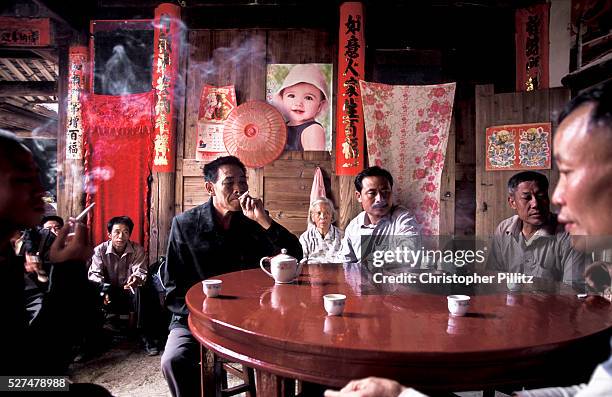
x=368, y=387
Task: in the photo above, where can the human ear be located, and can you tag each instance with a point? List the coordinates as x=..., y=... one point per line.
x=210, y=188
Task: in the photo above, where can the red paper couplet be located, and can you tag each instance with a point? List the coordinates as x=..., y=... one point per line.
x=532, y=47
x=165, y=72
x=349, y=113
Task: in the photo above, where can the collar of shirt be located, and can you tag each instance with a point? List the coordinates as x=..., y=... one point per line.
x=330, y=236
x=364, y=219
x=128, y=249
x=515, y=228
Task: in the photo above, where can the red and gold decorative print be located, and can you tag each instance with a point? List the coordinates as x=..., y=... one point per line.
x=77, y=62
x=518, y=147
x=165, y=70
x=28, y=32
x=351, y=67
x=532, y=47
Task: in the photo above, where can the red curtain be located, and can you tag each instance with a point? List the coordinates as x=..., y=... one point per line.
x=118, y=160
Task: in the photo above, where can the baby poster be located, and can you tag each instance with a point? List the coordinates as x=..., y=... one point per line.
x=216, y=103
x=303, y=94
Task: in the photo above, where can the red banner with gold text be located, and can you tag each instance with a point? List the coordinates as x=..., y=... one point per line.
x=532, y=47
x=349, y=113
x=167, y=39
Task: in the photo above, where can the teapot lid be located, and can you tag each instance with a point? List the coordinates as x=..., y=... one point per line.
x=284, y=257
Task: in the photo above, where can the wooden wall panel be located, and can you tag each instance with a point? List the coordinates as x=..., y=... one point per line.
x=284, y=185
x=447, y=187
x=512, y=108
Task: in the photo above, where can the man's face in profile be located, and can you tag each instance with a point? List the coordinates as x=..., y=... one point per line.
x=21, y=193
x=583, y=154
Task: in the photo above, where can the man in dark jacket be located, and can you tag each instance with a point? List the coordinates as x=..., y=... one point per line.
x=230, y=232
x=39, y=345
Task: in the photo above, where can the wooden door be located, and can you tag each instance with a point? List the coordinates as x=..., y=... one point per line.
x=508, y=108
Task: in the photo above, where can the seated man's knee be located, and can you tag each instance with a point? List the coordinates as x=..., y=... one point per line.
x=181, y=351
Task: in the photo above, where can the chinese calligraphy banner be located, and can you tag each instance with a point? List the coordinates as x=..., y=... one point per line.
x=77, y=62
x=407, y=130
x=518, y=147
x=167, y=38
x=351, y=67
x=27, y=32
x=532, y=47
x=216, y=103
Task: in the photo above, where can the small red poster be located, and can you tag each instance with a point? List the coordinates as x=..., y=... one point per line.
x=27, y=32
x=518, y=147
x=216, y=103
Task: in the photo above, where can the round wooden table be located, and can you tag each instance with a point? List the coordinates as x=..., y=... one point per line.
x=535, y=337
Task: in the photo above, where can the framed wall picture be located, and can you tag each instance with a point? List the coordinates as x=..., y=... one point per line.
x=303, y=94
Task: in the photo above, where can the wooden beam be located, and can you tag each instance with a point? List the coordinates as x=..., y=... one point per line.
x=24, y=122
x=47, y=55
x=43, y=70
x=50, y=133
x=28, y=88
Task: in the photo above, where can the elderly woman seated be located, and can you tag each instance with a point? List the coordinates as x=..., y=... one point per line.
x=322, y=241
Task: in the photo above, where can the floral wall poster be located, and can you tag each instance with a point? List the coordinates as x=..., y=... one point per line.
x=518, y=147
x=279, y=80
x=216, y=103
x=406, y=133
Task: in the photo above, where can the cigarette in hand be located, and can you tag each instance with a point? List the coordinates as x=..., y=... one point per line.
x=85, y=211
x=243, y=195
x=132, y=290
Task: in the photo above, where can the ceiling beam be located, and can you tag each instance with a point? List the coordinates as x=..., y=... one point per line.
x=27, y=134
x=25, y=122
x=28, y=88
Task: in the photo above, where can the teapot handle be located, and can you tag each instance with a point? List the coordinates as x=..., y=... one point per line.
x=261, y=264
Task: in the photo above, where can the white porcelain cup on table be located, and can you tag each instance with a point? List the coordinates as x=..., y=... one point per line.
x=458, y=305
x=212, y=288
x=334, y=304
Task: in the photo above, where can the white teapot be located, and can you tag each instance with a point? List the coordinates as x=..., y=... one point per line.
x=283, y=267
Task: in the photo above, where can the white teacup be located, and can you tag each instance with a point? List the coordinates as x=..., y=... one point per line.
x=334, y=304
x=212, y=288
x=458, y=305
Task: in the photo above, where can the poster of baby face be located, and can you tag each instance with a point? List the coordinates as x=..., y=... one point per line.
x=302, y=93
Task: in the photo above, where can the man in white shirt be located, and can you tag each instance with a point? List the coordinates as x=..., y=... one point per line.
x=374, y=190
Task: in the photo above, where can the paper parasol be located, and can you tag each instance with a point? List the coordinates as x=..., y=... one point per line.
x=256, y=133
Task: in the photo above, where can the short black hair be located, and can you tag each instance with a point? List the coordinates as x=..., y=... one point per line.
x=601, y=97
x=527, y=176
x=211, y=170
x=120, y=220
x=55, y=218
x=372, y=171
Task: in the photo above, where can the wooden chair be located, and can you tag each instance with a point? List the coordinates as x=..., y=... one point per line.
x=215, y=370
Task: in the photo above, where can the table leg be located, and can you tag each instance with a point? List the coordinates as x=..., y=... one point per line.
x=211, y=373
x=271, y=385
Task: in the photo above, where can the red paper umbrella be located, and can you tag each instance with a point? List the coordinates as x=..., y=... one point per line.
x=256, y=133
